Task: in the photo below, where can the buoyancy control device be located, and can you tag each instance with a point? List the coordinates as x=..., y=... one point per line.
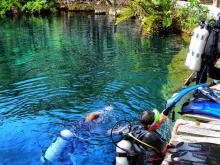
x=196, y=47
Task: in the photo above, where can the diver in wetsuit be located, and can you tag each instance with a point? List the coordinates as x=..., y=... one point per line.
x=147, y=145
x=72, y=141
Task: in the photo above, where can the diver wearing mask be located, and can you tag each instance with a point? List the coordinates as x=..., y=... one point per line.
x=147, y=146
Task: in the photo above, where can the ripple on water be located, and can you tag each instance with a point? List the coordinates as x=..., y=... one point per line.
x=67, y=66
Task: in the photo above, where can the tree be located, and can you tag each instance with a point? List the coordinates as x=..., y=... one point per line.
x=156, y=15
x=10, y=7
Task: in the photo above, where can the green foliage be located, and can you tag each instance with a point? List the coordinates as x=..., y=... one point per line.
x=9, y=6
x=190, y=16
x=160, y=15
x=125, y=14
x=156, y=15
x=33, y=6
x=77, y=6
x=37, y=6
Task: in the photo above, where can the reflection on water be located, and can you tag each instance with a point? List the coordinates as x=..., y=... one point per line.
x=55, y=70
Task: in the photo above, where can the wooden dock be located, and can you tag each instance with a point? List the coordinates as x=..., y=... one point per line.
x=204, y=134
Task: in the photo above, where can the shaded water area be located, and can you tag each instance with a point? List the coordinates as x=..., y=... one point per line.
x=54, y=70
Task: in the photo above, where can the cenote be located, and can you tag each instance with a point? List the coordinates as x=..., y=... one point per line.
x=54, y=70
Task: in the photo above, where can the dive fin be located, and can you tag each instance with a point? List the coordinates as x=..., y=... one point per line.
x=183, y=146
x=176, y=98
x=187, y=156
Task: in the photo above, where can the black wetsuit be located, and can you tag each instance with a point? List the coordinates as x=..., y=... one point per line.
x=146, y=155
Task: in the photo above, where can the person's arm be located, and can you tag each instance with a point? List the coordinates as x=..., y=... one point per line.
x=163, y=117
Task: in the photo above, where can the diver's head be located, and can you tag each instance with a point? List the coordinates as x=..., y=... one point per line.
x=92, y=116
x=149, y=118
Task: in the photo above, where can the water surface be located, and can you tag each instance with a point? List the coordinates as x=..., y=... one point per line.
x=54, y=70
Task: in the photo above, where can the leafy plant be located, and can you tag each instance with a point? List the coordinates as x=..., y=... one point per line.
x=156, y=15
x=9, y=6
x=191, y=15
x=37, y=6
x=33, y=6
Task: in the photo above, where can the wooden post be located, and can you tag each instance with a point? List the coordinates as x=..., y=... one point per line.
x=215, y=3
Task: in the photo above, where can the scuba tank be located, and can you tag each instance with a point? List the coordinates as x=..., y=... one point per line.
x=121, y=154
x=196, y=48
x=56, y=149
x=192, y=44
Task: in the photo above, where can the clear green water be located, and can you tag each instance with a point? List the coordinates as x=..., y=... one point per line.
x=54, y=70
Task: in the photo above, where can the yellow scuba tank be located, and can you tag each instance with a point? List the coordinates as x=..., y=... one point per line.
x=196, y=48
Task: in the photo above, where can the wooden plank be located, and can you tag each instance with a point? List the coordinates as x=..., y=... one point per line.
x=212, y=125
x=203, y=118
x=205, y=126
x=216, y=87
x=193, y=139
x=214, y=122
x=197, y=131
x=215, y=3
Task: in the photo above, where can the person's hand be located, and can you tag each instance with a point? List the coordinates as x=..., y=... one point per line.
x=162, y=117
x=170, y=145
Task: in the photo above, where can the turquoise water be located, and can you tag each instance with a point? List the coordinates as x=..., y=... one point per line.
x=54, y=70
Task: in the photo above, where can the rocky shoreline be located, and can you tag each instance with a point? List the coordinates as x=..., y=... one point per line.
x=97, y=8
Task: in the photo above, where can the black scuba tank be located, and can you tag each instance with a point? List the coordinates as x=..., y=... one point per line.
x=211, y=54
x=211, y=48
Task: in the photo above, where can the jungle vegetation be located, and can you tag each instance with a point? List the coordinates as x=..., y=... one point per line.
x=11, y=7
x=156, y=16
x=159, y=16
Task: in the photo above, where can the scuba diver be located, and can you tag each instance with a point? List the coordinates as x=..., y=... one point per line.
x=74, y=140
x=143, y=144
x=92, y=116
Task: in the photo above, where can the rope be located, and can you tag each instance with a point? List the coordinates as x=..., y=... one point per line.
x=148, y=145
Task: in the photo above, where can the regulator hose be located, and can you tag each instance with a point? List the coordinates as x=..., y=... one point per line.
x=129, y=124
